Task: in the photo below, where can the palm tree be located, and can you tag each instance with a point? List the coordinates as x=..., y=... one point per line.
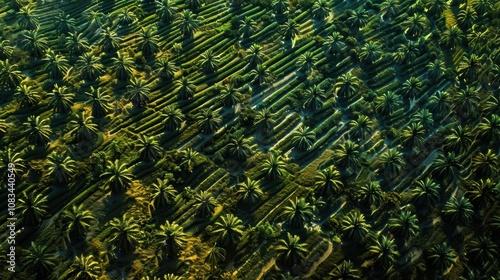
x=119, y=177
x=165, y=11
x=485, y=164
x=320, y=9
x=38, y=131
x=260, y=75
x=435, y=69
x=346, y=154
x=163, y=194
x=407, y=53
x=100, y=102
x=60, y=99
x=492, y=105
x=85, y=268
x=208, y=121
x=138, y=92
x=458, y=211
x=230, y=95
x=315, y=96
x=291, y=250
x=370, y=193
x=389, y=8
x=469, y=67
x=89, y=66
x=172, y=117
x=254, y=55
x=248, y=27
x=209, y=62
x=358, y=18
x=10, y=157
x=482, y=6
x=39, y=258
x=424, y=117
x=149, y=149
x=188, y=159
x=412, y=134
x=27, y=19
x=412, y=88
x=459, y=139
x=56, y=64
x=489, y=129
x=466, y=17
x=229, y=229
x=265, y=119
x=26, y=96
x=165, y=69
x=6, y=49
x=84, y=128
x=347, y=85
x=126, y=16
x=333, y=44
x=438, y=102
x=148, y=41
x=482, y=193
x=274, y=166
x=33, y=208
x=345, y=271
x=392, y=160
x=173, y=238
x=280, y=6
x=436, y=7
x=306, y=62
x=249, y=192
x=416, y=25
x=64, y=23
x=123, y=66
x=77, y=44
x=385, y=251
x=109, y=40
x=425, y=192
x=125, y=233
x=35, y=43
x=10, y=76
x=388, y=102
x=448, y=165
x=483, y=250
x=193, y=4
x=205, y=204
x=361, y=126
x=290, y=29
x=77, y=221
x=354, y=226
x=327, y=181
x=452, y=37
x=186, y=88
x=298, y=213
x=61, y=168
x=466, y=100
x=95, y=19
x=239, y=147
x=188, y=24
x=442, y=256
x=303, y=138
x=370, y=52
x=404, y=225
x=215, y=255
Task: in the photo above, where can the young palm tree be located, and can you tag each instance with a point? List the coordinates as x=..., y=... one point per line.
x=280, y=6
x=483, y=250
x=77, y=221
x=149, y=149
x=436, y=7
x=126, y=16
x=209, y=62
x=188, y=24
x=188, y=159
x=60, y=99
x=119, y=178
x=248, y=28
x=345, y=271
x=485, y=164
x=328, y=181
x=77, y=44
x=123, y=66
x=435, y=69
x=412, y=88
x=6, y=49
x=466, y=17
x=26, y=96
x=89, y=66
x=407, y=53
x=458, y=211
x=163, y=194
x=165, y=11
x=371, y=193
x=109, y=40
x=290, y=30
x=306, y=62
x=265, y=119
x=392, y=160
x=334, y=43
x=172, y=118
x=388, y=102
x=412, y=134
x=249, y=192
x=438, y=103
x=61, y=168
x=361, y=126
x=358, y=18
x=27, y=19
x=442, y=256
x=84, y=128
x=347, y=85
x=125, y=234
x=370, y=52
x=56, y=64
x=208, y=121
x=100, y=102
x=389, y=9
x=230, y=96
x=229, y=229
x=10, y=76
x=424, y=117
x=291, y=250
x=239, y=147
x=185, y=88
x=404, y=225
x=385, y=251
x=346, y=155
x=33, y=208
x=273, y=167
x=354, y=226
x=64, y=23
x=261, y=75
x=205, y=204
x=425, y=192
x=215, y=255
x=148, y=41
x=452, y=37
x=38, y=131
x=254, y=55
x=303, y=138
x=165, y=69
x=489, y=129
x=416, y=25
x=40, y=260
x=448, y=165
x=138, y=92
x=85, y=268
x=320, y=9
x=298, y=213
x=95, y=19
x=482, y=193
x=459, y=139
x=467, y=100
x=173, y=238
x=469, y=67
x=35, y=43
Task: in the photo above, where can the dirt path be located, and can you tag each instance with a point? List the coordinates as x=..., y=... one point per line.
x=320, y=260
x=266, y=267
